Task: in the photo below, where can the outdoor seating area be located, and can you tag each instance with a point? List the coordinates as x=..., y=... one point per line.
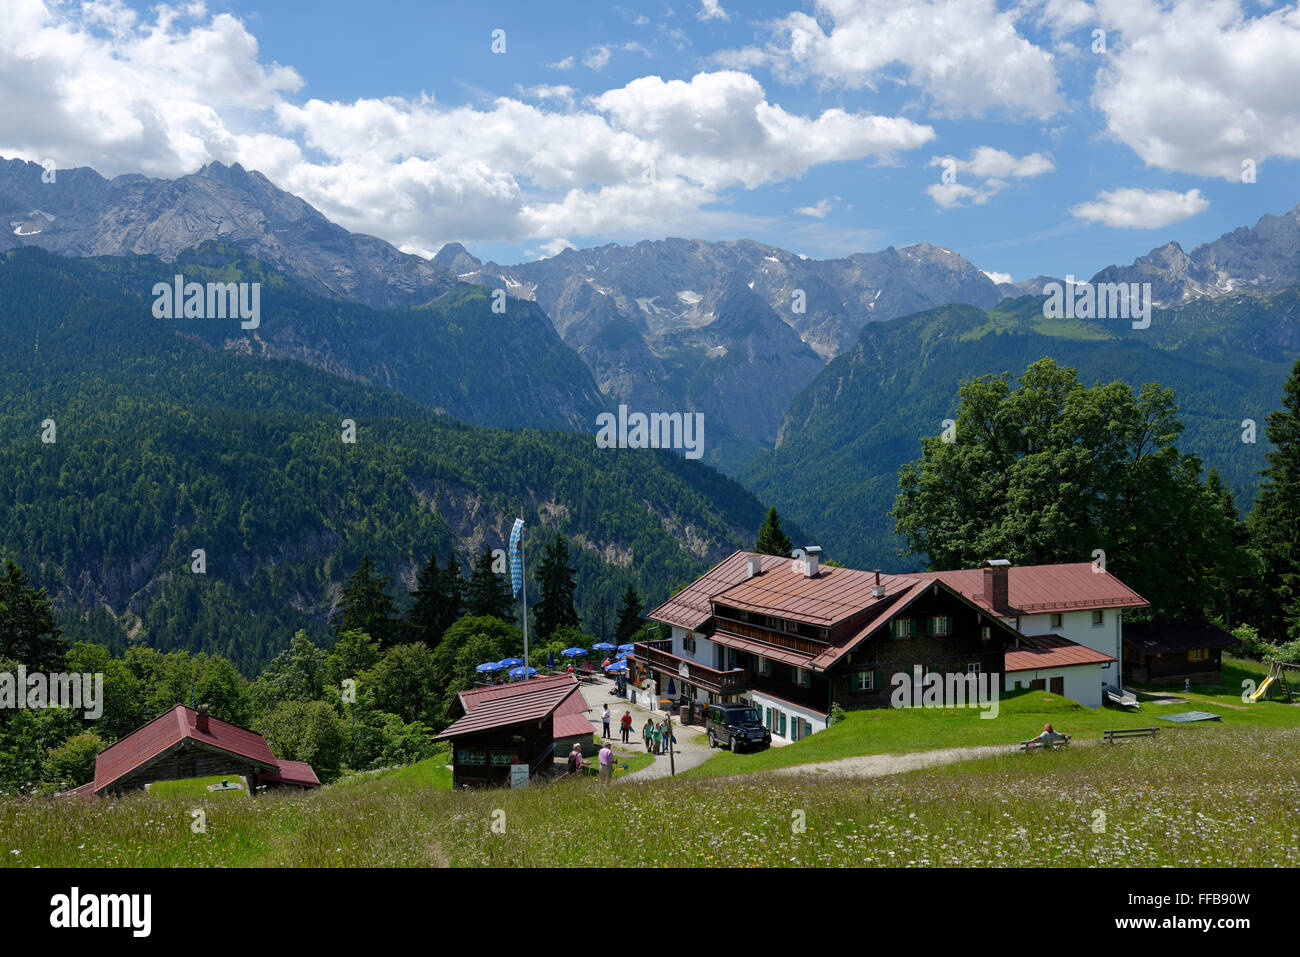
x=513, y=669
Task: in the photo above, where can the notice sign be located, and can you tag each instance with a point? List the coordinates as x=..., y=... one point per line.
x=519, y=775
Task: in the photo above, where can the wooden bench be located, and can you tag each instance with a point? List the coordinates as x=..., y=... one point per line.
x=1045, y=744
x=1111, y=736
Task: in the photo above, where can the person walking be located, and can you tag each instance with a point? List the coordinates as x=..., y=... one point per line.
x=604, y=719
x=606, y=758
x=626, y=725
x=667, y=736
x=657, y=735
x=645, y=733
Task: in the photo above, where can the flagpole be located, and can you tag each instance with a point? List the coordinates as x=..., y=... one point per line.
x=524, y=585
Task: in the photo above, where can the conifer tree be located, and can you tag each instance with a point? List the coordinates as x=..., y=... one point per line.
x=364, y=605
x=488, y=593
x=554, y=609
x=771, y=539
x=1275, y=520
x=629, y=617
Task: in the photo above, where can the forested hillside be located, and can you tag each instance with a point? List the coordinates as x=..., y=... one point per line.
x=835, y=470
x=163, y=445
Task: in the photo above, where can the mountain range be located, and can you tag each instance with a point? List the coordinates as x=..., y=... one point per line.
x=816, y=377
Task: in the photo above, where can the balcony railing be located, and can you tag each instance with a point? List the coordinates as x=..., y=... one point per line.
x=779, y=638
x=721, y=682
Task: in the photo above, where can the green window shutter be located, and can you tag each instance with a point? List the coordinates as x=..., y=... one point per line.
x=782, y=724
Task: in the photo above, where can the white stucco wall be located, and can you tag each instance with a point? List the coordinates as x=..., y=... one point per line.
x=763, y=702
x=1078, y=627
x=1082, y=682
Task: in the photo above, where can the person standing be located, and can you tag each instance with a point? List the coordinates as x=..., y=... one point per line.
x=657, y=735
x=626, y=725
x=646, y=733
x=667, y=736
x=604, y=719
x=575, y=759
x=606, y=759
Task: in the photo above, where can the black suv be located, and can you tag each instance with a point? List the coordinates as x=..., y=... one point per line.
x=735, y=726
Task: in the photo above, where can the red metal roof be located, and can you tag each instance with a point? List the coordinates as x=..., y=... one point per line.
x=831, y=596
x=1038, y=589
x=292, y=772
x=572, y=726
x=470, y=699
x=168, y=730
x=1050, y=651
x=529, y=701
x=689, y=608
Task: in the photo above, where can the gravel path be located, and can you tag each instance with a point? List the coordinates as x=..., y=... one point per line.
x=687, y=754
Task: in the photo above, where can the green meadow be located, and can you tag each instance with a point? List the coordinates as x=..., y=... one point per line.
x=1213, y=794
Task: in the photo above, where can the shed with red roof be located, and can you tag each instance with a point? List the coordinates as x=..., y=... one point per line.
x=188, y=743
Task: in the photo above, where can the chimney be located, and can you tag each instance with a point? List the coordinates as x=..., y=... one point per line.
x=995, y=584
x=754, y=565
x=878, y=590
x=201, y=719
x=812, y=556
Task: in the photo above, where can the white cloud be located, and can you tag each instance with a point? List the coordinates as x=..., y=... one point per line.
x=167, y=95
x=997, y=277
x=966, y=55
x=1141, y=208
x=598, y=57
x=552, y=247
x=565, y=64
x=155, y=97
x=818, y=210
x=983, y=174
x=1201, y=87
x=712, y=10
x=719, y=129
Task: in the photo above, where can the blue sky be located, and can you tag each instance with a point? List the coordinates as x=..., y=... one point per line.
x=819, y=128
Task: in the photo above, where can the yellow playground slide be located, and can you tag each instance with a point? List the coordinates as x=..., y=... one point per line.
x=1259, y=692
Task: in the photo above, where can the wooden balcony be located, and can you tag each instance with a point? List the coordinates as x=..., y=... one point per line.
x=769, y=636
x=657, y=655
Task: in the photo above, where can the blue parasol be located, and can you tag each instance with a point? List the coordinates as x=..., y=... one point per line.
x=603, y=646
x=490, y=666
x=519, y=672
x=511, y=662
x=574, y=652
x=627, y=647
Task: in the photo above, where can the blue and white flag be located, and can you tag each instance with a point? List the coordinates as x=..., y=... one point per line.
x=516, y=556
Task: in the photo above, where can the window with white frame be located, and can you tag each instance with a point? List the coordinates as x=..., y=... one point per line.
x=940, y=625
x=803, y=677
x=764, y=666
x=864, y=681
x=973, y=668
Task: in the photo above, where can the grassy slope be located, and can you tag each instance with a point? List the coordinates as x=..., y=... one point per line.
x=1021, y=715
x=1208, y=794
